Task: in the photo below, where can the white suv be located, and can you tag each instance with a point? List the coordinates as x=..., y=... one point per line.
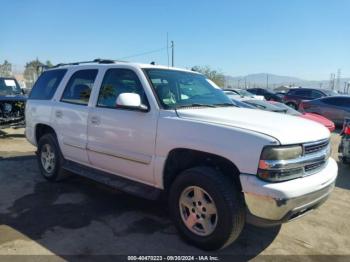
x=157, y=131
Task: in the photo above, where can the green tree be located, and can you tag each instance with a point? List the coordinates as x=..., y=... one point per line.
x=32, y=71
x=6, y=69
x=48, y=63
x=214, y=75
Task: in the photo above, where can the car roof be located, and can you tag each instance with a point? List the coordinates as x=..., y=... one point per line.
x=121, y=63
x=307, y=88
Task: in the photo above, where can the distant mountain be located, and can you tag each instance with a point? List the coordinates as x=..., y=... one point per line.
x=261, y=79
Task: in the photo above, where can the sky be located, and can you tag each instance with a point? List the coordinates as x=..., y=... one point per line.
x=309, y=39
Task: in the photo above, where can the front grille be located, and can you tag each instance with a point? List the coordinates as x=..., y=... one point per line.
x=315, y=147
x=314, y=167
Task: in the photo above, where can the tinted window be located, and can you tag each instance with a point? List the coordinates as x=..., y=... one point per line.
x=253, y=91
x=116, y=82
x=344, y=101
x=316, y=94
x=331, y=101
x=46, y=86
x=306, y=93
x=79, y=87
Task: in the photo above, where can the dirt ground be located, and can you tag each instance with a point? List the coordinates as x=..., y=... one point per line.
x=80, y=217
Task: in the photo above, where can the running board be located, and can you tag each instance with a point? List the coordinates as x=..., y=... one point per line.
x=114, y=181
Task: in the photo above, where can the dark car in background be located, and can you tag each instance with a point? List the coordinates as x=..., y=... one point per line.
x=335, y=108
x=294, y=96
x=278, y=107
x=267, y=94
x=12, y=103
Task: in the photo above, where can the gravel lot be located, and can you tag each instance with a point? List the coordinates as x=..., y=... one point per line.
x=78, y=217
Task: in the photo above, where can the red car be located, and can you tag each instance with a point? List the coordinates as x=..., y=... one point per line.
x=314, y=117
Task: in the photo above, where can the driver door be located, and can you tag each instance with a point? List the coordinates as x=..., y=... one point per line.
x=122, y=141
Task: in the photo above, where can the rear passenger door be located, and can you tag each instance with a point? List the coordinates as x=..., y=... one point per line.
x=122, y=141
x=71, y=114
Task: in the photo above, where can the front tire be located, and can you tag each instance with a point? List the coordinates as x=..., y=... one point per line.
x=207, y=208
x=50, y=158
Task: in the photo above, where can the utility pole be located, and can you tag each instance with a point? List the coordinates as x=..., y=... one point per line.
x=338, y=79
x=331, y=81
x=172, y=53
x=267, y=81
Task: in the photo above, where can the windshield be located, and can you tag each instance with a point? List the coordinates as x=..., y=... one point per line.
x=290, y=110
x=9, y=86
x=176, y=89
x=330, y=92
x=244, y=92
x=265, y=106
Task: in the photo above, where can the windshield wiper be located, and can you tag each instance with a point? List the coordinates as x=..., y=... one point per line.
x=224, y=104
x=194, y=105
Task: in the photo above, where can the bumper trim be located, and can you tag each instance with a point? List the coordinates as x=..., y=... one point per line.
x=277, y=211
x=290, y=216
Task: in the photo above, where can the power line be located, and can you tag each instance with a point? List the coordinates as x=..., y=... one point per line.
x=144, y=53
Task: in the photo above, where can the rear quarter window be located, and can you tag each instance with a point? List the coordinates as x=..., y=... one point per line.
x=46, y=85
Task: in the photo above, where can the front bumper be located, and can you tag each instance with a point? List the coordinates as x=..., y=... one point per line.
x=276, y=203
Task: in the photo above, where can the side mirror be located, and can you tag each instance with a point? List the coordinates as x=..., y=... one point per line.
x=130, y=101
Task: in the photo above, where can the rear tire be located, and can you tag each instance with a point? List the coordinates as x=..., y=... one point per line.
x=50, y=158
x=220, y=209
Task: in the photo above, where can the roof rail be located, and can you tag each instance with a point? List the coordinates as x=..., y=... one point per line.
x=97, y=60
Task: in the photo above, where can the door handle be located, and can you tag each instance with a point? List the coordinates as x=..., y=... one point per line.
x=95, y=120
x=59, y=114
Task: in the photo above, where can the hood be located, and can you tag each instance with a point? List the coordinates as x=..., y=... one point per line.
x=13, y=98
x=287, y=129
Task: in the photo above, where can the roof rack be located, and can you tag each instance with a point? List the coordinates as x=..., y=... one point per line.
x=97, y=60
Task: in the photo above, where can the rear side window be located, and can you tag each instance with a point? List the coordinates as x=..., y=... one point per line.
x=306, y=93
x=79, y=87
x=331, y=101
x=46, y=86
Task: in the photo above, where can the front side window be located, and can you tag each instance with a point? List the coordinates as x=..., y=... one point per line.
x=316, y=94
x=118, y=81
x=46, y=85
x=79, y=87
x=177, y=89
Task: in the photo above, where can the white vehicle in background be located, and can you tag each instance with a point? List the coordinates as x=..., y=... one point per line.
x=156, y=131
x=242, y=94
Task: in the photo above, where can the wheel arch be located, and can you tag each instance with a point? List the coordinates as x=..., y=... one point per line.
x=42, y=129
x=180, y=159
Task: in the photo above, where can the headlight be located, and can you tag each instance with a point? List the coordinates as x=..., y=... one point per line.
x=7, y=108
x=276, y=163
x=281, y=153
